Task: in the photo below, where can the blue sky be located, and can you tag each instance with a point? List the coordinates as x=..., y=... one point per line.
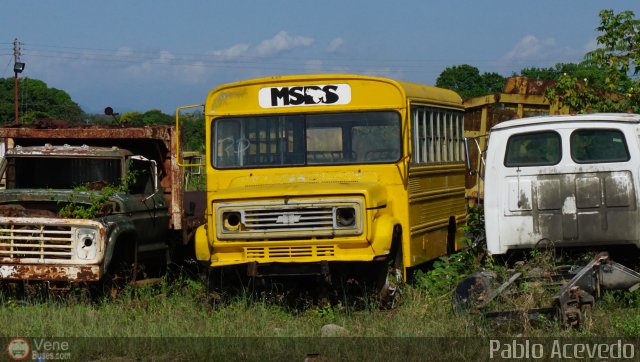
x=139, y=55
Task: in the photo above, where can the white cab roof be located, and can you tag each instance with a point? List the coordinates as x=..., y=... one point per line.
x=600, y=117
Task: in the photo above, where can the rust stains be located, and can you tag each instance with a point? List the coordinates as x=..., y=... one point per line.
x=74, y=273
x=20, y=211
x=54, y=130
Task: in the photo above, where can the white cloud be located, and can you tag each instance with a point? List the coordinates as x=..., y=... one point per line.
x=532, y=51
x=172, y=68
x=124, y=52
x=165, y=57
x=529, y=48
x=335, y=45
x=235, y=51
x=281, y=42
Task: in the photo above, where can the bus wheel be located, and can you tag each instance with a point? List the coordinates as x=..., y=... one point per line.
x=391, y=279
x=213, y=282
x=451, y=236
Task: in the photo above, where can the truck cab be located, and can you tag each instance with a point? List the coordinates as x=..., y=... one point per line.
x=85, y=204
x=564, y=181
x=65, y=206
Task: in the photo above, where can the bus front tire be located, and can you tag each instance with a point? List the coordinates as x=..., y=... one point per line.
x=391, y=277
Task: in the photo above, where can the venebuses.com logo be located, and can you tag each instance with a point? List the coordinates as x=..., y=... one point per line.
x=38, y=349
x=19, y=349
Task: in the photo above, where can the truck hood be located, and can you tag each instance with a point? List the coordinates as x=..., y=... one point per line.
x=30, y=202
x=42, y=195
x=308, y=185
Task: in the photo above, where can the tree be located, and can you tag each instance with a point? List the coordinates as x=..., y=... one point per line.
x=37, y=101
x=467, y=81
x=492, y=83
x=193, y=131
x=148, y=118
x=612, y=84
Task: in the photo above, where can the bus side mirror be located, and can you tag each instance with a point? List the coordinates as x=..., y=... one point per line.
x=467, y=158
x=476, y=167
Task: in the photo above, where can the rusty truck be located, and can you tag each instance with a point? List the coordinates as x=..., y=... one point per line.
x=84, y=204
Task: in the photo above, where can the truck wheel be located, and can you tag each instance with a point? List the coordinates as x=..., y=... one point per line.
x=121, y=271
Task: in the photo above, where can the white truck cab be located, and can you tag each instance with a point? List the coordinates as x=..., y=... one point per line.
x=563, y=180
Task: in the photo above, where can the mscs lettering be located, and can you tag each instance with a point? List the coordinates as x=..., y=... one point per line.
x=307, y=95
x=310, y=95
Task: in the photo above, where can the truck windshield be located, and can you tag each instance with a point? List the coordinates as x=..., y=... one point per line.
x=307, y=139
x=60, y=173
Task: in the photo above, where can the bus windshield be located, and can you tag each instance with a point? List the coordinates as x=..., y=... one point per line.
x=306, y=139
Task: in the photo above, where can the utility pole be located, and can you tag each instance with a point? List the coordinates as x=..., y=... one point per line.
x=18, y=67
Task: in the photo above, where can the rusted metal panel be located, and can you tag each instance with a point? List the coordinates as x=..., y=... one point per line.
x=88, y=132
x=526, y=86
x=72, y=273
x=68, y=150
x=177, y=179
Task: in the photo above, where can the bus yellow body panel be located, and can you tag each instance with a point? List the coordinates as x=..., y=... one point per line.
x=324, y=168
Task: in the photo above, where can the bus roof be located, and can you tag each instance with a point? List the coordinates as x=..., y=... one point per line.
x=417, y=92
x=591, y=117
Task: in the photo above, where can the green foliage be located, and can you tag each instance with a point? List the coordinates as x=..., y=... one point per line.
x=193, y=131
x=448, y=271
x=629, y=326
x=37, y=101
x=535, y=73
x=148, y=118
x=467, y=81
x=327, y=312
x=609, y=81
x=584, y=70
x=445, y=274
x=99, y=199
x=474, y=230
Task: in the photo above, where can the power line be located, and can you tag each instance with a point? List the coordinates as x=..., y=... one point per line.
x=5, y=69
x=103, y=54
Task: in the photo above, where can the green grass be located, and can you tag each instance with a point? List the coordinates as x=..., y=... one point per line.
x=184, y=309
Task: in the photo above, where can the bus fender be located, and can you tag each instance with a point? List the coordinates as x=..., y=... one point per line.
x=202, y=244
x=382, y=235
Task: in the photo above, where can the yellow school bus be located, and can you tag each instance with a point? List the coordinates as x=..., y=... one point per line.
x=308, y=173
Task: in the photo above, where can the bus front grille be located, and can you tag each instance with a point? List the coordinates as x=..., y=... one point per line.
x=289, y=219
x=289, y=252
x=311, y=218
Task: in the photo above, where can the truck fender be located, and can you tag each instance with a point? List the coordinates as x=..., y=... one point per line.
x=202, y=244
x=382, y=235
x=117, y=229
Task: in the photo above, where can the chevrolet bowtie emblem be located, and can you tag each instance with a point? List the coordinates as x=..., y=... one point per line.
x=288, y=219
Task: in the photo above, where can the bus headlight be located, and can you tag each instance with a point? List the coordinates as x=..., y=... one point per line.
x=86, y=244
x=345, y=216
x=232, y=220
